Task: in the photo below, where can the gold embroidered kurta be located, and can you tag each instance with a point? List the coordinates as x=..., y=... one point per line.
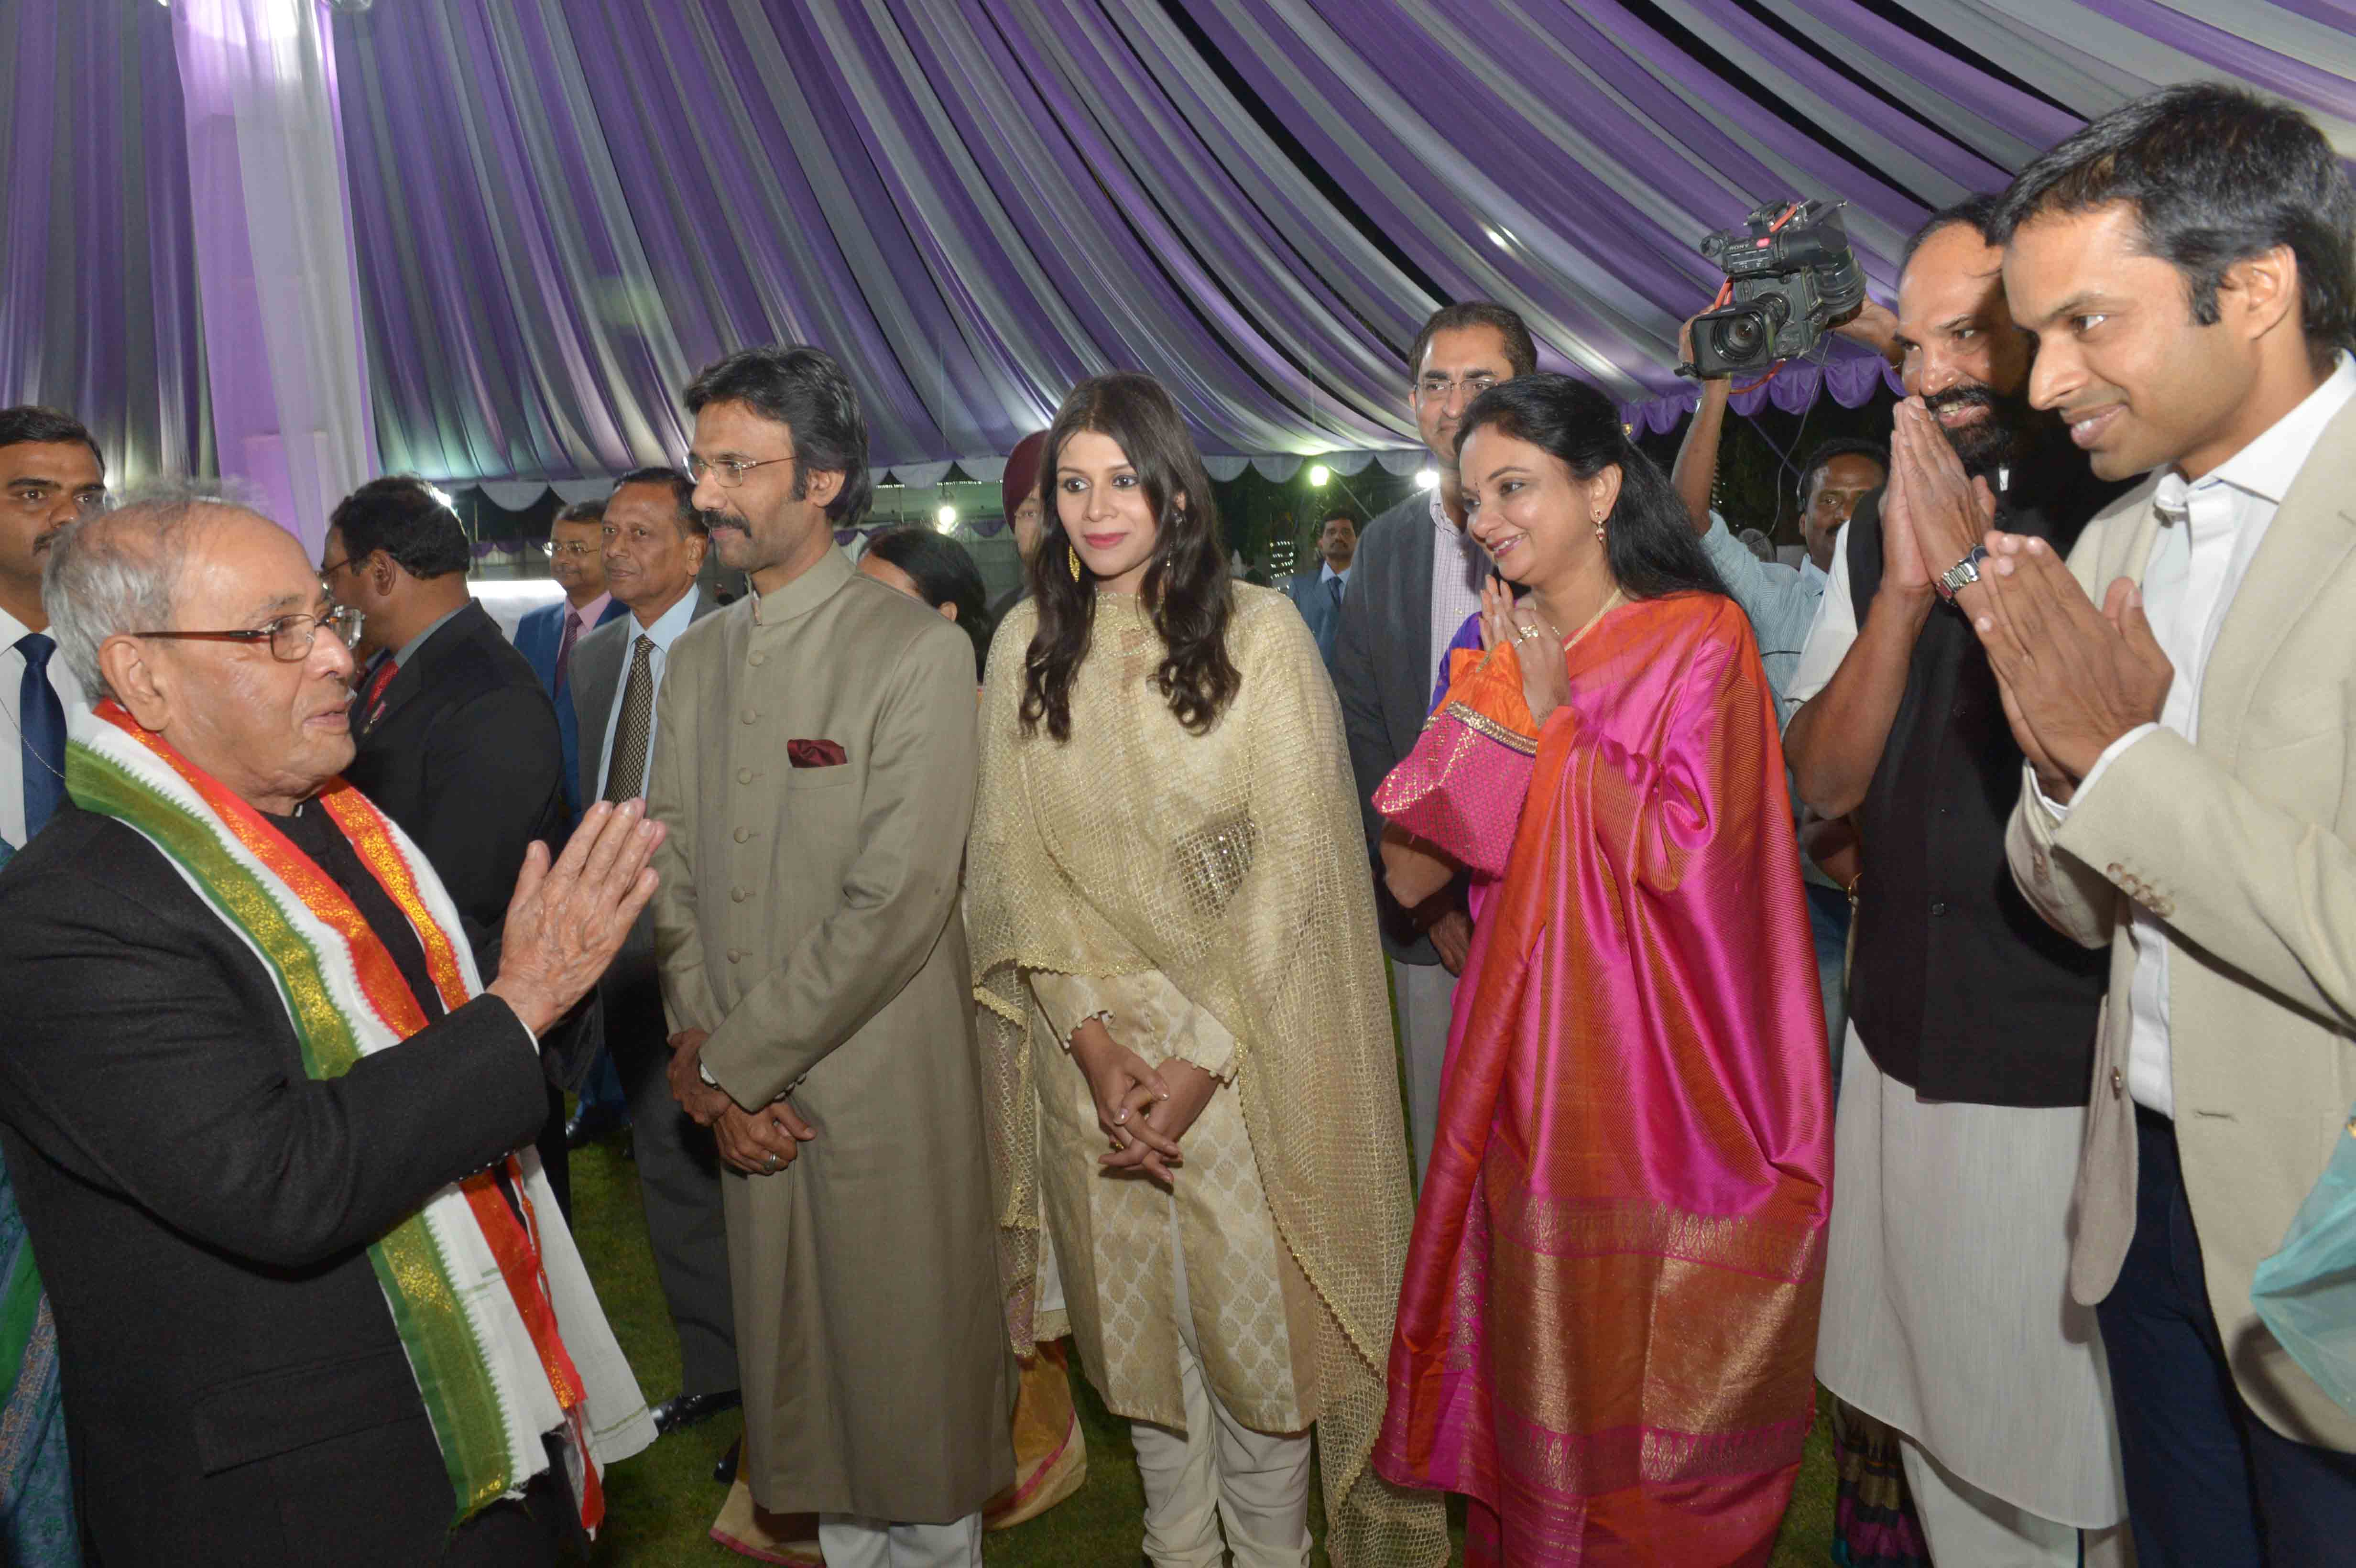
x=1229, y=867
x=1251, y=1304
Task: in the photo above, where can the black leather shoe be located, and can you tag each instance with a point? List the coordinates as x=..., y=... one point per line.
x=724, y=1472
x=687, y=1409
x=591, y=1123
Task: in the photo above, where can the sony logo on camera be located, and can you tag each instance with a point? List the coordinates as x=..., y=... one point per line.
x=1792, y=275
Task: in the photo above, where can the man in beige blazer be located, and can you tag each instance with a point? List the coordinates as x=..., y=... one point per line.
x=2190, y=789
x=816, y=773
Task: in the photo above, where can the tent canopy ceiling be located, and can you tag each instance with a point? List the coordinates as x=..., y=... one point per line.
x=561, y=210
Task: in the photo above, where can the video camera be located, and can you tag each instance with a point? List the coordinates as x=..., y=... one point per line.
x=1792, y=275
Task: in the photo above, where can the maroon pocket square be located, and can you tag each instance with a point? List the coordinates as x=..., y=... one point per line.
x=814, y=754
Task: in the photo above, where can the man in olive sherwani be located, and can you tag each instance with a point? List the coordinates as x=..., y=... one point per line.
x=818, y=778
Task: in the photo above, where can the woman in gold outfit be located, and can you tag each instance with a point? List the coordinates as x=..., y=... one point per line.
x=1184, y=1019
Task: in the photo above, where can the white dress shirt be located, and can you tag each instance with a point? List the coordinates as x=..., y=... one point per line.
x=1329, y=575
x=2210, y=532
x=11, y=743
x=664, y=631
x=1459, y=567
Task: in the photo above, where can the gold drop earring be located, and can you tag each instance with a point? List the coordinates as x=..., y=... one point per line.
x=1599, y=527
x=1073, y=556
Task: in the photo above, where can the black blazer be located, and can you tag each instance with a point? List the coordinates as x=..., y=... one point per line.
x=201, y=1210
x=462, y=750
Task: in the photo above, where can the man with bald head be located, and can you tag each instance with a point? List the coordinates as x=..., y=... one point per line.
x=264, y=1115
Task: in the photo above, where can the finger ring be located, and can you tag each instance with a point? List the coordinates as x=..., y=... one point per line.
x=1526, y=633
x=769, y=1161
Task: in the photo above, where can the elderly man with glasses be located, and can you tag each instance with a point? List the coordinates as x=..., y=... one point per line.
x=271, y=1132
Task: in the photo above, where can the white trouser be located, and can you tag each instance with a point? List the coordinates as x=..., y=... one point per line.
x=851, y=1541
x=1426, y=997
x=1218, y=1470
x=1972, y=1529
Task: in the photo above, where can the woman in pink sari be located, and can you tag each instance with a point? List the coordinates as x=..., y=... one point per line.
x=1609, y=1318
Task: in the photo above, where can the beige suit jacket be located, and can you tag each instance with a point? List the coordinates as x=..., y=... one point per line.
x=808, y=918
x=2240, y=842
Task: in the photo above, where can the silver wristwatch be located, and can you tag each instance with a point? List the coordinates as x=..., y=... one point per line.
x=1961, y=575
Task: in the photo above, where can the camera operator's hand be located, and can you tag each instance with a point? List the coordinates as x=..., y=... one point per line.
x=1711, y=385
x=1874, y=326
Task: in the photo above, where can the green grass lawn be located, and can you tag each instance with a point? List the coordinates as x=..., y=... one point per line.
x=660, y=1505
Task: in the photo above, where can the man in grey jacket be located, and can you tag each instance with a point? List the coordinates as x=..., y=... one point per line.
x=1416, y=580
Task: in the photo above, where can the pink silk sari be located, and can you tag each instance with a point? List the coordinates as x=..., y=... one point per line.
x=1607, y=1330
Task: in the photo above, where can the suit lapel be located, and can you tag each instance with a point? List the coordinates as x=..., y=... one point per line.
x=1415, y=588
x=2304, y=547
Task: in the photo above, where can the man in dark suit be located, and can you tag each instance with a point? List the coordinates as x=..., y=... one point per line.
x=1417, y=579
x=1318, y=593
x=203, y=1207
x=547, y=636
x=655, y=546
x=456, y=741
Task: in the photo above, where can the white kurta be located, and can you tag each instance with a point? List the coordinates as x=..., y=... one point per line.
x=1947, y=1310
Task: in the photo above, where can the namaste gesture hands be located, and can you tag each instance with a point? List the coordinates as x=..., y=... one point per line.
x=1932, y=514
x=2074, y=677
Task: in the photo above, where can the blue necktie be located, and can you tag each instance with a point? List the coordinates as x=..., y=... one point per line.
x=41, y=733
x=1333, y=588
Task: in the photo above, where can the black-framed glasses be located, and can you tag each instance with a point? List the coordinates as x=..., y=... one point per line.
x=328, y=573
x=291, y=637
x=727, y=472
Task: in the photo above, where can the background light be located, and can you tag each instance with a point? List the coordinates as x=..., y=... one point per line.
x=1426, y=478
x=1319, y=474
x=946, y=517
x=442, y=498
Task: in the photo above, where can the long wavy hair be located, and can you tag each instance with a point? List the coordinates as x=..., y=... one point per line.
x=1186, y=588
x=1649, y=540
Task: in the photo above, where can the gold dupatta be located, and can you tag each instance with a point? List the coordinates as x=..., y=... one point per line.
x=1233, y=862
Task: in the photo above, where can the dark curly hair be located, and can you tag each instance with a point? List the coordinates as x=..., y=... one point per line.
x=1187, y=587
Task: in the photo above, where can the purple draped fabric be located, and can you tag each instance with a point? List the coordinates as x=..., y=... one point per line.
x=98, y=298
x=562, y=208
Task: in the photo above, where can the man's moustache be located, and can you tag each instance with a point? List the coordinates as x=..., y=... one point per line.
x=1958, y=398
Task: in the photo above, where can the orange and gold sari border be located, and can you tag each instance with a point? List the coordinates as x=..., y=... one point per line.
x=1590, y=1464
x=1481, y=724
x=1558, y=1227
x=1628, y=1340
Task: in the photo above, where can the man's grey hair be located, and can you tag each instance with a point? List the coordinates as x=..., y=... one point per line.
x=116, y=573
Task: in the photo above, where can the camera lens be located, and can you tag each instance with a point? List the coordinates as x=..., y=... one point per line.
x=1738, y=337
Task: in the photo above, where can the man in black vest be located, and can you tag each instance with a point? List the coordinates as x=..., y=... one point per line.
x=1946, y=1308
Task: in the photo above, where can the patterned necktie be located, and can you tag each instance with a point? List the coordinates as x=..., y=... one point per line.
x=626, y=775
x=364, y=711
x=564, y=649
x=1334, y=590
x=41, y=733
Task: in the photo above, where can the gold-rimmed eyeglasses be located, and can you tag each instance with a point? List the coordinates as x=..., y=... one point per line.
x=727, y=472
x=291, y=637
x=1436, y=389
x=570, y=547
